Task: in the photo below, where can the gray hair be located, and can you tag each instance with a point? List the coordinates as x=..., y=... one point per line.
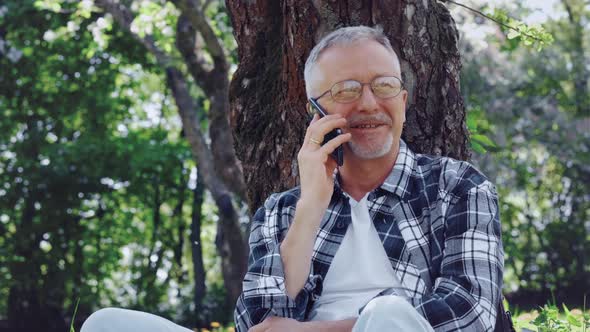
x=343, y=37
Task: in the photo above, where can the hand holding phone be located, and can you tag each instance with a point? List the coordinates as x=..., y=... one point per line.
x=338, y=153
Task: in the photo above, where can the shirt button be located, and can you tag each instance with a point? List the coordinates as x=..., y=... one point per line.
x=340, y=224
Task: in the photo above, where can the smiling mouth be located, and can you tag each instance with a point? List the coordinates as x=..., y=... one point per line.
x=367, y=126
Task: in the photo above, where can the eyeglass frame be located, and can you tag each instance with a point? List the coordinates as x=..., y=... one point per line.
x=362, y=86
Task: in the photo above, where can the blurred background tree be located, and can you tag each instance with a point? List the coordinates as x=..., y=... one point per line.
x=102, y=176
x=97, y=178
x=534, y=106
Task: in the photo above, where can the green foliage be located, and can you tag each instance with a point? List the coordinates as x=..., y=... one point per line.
x=534, y=36
x=538, y=121
x=550, y=319
x=479, y=129
x=74, y=316
x=156, y=20
x=516, y=31
x=94, y=171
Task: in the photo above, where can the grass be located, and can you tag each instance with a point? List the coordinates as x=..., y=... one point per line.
x=550, y=318
x=74, y=316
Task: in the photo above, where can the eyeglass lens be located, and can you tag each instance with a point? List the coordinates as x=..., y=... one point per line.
x=382, y=87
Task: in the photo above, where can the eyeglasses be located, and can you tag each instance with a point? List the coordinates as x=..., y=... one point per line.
x=384, y=87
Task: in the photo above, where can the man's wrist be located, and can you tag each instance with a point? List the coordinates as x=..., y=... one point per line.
x=310, y=210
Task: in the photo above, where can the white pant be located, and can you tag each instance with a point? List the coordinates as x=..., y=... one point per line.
x=385, y=313
x=391, y=313
x=123, y=320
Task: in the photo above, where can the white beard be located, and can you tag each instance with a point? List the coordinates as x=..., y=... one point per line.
x=371, y=152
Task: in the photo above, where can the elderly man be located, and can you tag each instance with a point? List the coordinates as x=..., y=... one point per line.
x=389, y=241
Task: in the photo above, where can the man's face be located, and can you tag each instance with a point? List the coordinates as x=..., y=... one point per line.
x=375, y=123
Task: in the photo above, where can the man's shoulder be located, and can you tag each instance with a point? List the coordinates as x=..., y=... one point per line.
x=284, y=199
x=453, y=176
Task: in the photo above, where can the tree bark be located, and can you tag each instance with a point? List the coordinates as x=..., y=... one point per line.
x=267, y=93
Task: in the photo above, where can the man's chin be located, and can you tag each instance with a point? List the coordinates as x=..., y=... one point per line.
x=369, y=152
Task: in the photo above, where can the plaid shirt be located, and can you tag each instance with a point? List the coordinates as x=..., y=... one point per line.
x=438, y=221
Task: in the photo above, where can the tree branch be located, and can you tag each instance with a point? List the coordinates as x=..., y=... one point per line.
x=215, y=84
x=191, y=125
x=492, y=19
x=191, y=21
x=186, y=42
x=194, y=13
x=205, y=5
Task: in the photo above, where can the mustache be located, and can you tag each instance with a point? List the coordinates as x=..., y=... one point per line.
x=377, y=118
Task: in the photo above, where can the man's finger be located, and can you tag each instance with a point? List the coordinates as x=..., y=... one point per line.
x=331, y=145
x=315, y=118
x=323, y=126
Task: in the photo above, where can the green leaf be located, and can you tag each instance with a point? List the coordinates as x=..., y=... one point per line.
x=574, y=321
x=571, y=318
x=74, y=316
x=471, y=122
x=565, y=309
x=513, y=34
x=50, y=5
x=477, y=147
x=28, y=51
x=483, y=139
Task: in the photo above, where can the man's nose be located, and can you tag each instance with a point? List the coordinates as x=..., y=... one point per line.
x=367, y=101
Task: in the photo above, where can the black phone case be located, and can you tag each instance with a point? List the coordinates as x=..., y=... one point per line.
x=338, y=153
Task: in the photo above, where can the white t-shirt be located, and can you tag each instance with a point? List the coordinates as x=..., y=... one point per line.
x=359, y=271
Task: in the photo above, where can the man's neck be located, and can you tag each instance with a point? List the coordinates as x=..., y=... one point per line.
x=360, y=176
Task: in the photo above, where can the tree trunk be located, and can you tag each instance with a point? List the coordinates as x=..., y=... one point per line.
x=197, y=253
x=267, y=93
x=232, y=246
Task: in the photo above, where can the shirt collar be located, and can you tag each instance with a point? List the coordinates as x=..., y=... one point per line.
x=397, y=180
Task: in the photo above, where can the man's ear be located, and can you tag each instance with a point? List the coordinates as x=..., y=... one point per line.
x=308, y=108
x=404, y=104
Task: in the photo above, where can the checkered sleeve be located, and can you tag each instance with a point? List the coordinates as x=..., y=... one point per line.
x=467, y=292
x=263, y=290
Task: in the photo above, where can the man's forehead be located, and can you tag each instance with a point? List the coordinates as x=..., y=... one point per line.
x=365, y=58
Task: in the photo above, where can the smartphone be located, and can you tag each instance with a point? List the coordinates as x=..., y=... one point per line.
x=338, y=153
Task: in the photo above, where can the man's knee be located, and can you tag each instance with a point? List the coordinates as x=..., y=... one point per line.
x=98, y=320
x=389, y=306
x=391, y=313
